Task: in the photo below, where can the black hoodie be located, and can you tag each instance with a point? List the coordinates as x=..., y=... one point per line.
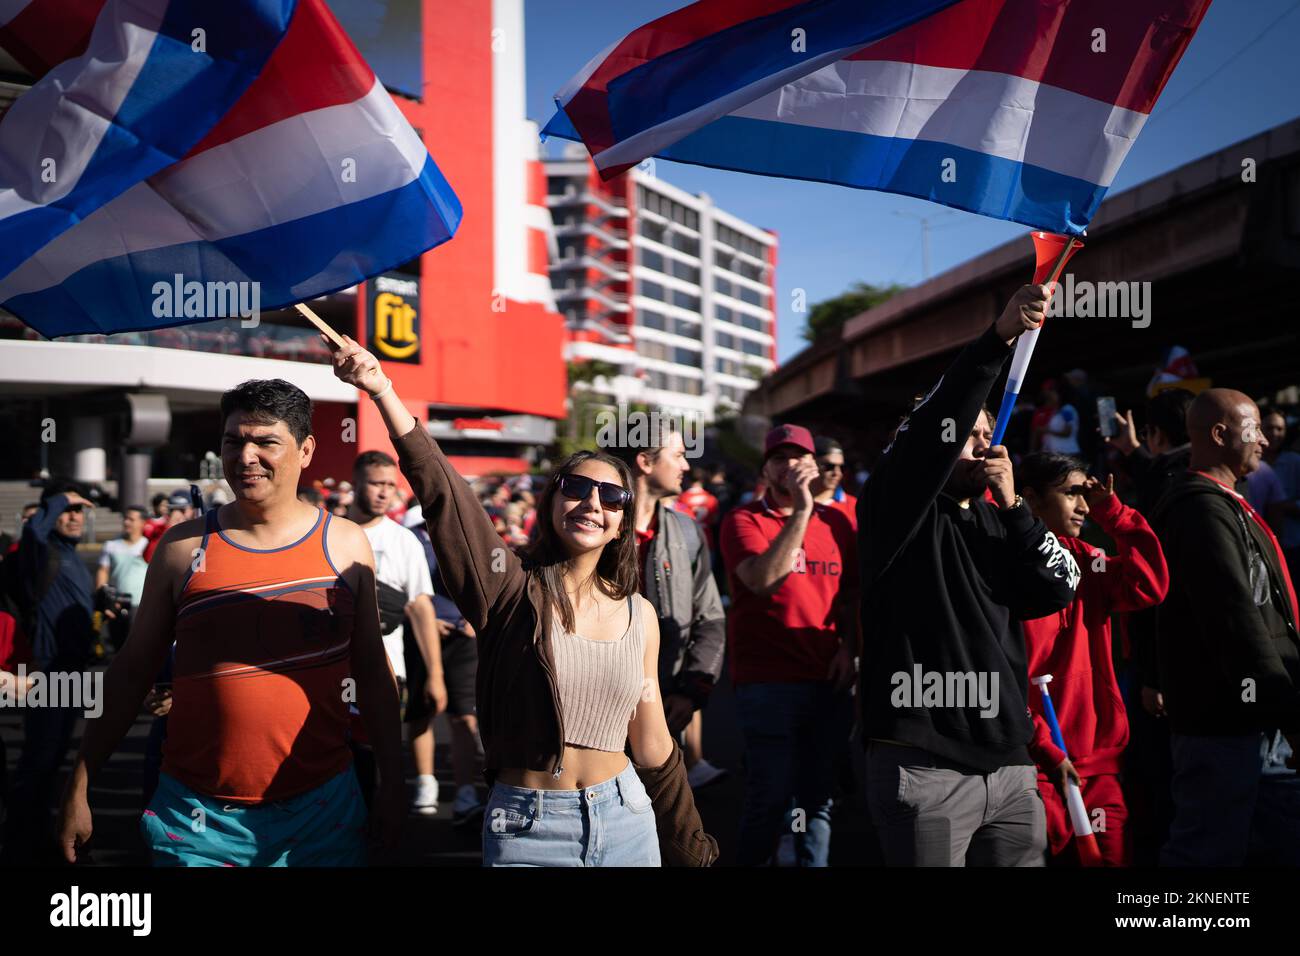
x=1228, y=651
x=945, y=586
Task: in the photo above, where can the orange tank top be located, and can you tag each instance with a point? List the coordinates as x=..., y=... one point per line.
x=263, y=645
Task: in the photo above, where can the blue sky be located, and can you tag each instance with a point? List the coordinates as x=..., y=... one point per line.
x=832, y=236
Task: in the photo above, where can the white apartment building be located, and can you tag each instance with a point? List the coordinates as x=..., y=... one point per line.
x=673, y=292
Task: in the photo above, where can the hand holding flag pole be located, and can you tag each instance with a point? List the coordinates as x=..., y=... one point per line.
x=1084, y=838
x=1047, y=270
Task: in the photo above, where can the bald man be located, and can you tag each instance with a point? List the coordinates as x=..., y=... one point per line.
x=1229, y=655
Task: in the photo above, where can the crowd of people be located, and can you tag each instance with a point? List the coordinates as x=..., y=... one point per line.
x=573, y=628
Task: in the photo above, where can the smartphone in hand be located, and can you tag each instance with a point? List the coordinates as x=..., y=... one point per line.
x=1106, y=416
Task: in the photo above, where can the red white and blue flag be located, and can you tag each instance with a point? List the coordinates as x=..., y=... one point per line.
x=243, y=141
x=1016, y=109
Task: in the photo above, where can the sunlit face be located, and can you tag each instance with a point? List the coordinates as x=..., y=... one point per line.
x=776, y=469
x=262, y=462
x=1062, y=507
x=585, y=524
x=965, y=480
x=376, y=489
x=668, y=468
x=1242, y=439
x=72, y=522
x=830, y=469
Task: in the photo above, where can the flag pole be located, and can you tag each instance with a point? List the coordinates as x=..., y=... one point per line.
x=321, y=324
x=1084, y=838
x=1025, y=347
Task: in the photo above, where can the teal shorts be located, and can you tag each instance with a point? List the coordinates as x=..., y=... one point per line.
x=322, y=827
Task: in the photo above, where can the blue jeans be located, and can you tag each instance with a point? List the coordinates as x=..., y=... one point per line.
x=791, y=738
x=609, y=824
x=1215, y=788
x=47, y=734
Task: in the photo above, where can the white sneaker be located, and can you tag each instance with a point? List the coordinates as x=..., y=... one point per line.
x=703, y=774
x=426, y=795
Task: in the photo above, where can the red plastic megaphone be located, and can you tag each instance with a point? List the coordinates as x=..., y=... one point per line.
x=1052, y=252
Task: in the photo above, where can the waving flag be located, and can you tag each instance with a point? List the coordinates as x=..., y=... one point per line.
x=1016, y=109
x=177, y=141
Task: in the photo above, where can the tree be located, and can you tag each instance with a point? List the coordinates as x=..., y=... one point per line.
x=832, y=313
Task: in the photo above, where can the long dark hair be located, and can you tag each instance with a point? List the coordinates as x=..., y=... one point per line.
x=616, y=571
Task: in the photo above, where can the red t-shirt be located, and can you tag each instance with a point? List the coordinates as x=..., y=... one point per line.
x=849, y=505
x=790, y=634
x=643, y=539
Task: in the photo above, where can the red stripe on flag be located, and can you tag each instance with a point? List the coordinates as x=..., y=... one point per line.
x=1053, y=43
x=47, y=32
x=314, y=66
x=588, y=109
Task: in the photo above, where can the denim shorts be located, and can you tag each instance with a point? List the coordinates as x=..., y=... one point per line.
x=609, y=824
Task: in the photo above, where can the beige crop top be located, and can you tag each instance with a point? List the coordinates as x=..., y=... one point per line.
x=599, y=682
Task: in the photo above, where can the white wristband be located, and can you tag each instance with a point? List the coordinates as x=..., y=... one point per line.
x=387, y=388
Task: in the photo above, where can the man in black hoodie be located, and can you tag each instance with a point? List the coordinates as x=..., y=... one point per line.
x=947, y=577
x=1227, y=644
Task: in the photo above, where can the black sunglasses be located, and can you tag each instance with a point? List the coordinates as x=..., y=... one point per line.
x=74, y=509
x=577, y=487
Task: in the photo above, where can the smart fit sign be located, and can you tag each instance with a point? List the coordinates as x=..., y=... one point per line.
x=393, y=318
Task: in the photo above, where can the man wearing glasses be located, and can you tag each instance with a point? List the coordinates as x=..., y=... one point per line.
x=828, y=486
x=54, y=592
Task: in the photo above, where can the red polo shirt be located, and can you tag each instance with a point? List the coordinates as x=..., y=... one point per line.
x=790, y=634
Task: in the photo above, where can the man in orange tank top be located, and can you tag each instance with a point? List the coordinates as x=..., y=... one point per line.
x=271, y=604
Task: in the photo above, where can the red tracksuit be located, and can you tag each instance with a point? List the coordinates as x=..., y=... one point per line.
x=1073, y=645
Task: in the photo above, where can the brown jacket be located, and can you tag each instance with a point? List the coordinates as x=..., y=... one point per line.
x=518, y=707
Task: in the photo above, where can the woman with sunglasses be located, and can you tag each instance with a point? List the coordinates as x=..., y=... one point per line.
x=568, y=660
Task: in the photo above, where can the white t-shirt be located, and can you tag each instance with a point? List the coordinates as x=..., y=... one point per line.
x=126, y=566
x=1065, y=417
x=399, y=563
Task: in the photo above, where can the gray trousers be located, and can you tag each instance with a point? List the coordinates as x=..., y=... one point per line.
x=931, y=812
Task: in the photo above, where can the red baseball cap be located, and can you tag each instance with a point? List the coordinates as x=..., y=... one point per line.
x=795, y=435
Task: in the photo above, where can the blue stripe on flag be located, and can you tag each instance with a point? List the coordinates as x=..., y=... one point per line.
x=733, y=59
x=987, y=185
x=293, y=261
x=176, y=98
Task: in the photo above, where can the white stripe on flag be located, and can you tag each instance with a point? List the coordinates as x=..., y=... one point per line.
x=650, y=141
x=282, y=172
x=990, y=113
x=72, y=108
x=11, y=8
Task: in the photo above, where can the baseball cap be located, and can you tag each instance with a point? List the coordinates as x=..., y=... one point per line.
x=828, y=446
x=178, y=500
x=795, y=435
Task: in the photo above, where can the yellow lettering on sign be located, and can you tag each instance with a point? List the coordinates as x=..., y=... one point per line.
x=394, y=322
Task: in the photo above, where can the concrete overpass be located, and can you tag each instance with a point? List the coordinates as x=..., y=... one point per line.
x=1220, y=248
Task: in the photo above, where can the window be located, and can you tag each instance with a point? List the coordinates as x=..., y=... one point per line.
x=722, y=313
x=749, y=295
x=651, y=260
x=750, y=347
x=651, y=290
x=721, y=285
x=684, y=300
x=684, y=243
x=724, y=340
x=690, y=330
x=651, y=230
x=688, y=357
x=687, y=272
x=652, y=350
x=753, y=322
x=653, y=320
